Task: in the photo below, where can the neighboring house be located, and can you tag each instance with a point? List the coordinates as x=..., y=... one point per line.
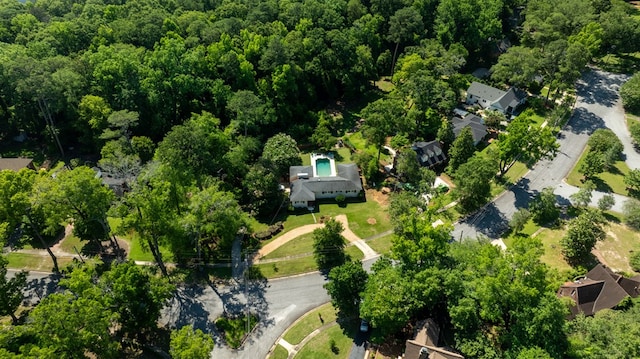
x=424, y=345
x=478, y=129
x=429, y=153
x=16, y=164
x=601, y=288
x=323, y=179
x=495, y=99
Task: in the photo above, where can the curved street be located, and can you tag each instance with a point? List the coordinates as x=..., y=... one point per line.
x=597, y=106
x=280, y=302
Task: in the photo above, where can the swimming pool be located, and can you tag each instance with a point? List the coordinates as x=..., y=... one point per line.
x=323, y=167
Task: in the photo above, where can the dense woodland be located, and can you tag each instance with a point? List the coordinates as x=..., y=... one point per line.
x=201, y=106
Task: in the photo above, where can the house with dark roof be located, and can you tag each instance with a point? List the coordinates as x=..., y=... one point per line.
x=495, y=99
x=16, y=164
x=429, y=153
x=476, y=123
x=424, y=345
x=600, y=289
x=321, y=180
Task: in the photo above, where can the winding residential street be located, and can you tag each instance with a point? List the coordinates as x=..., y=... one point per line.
x=597, y=106
x=280, y=302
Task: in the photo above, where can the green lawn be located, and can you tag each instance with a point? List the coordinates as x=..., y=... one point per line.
x=137, y=253
x=361, y=145
x=34, y=262
x=279, y=353
x=381, y=245
x=319, y=347
x=302, y=265
x=304, y=245
x=310, y=322
x=287, y=267
x=552, y=251
x=70, y=242
x=612, y=181
x=358, y=214
x=620, y=243
x=299, y=245
x=342, y=155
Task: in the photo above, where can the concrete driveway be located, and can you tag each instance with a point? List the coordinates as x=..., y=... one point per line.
x=597, y=100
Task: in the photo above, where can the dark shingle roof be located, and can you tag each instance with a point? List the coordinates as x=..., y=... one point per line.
x=486, y=92
x=305, y=188
x=511, y=98
x=429, y=153
x=478, y=129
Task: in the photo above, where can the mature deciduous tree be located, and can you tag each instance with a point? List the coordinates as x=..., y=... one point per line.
x=72, y=326
x=631, y=211
x=582, y=198
x=346, y=283
x=473, y=181
x=386, y=302
x=379, y=118
x=328, y=245
x=583, y=233
x=281, y=152
x=407, y=166
x=461, y=150
x=592, y=165
x=189, y=343
x=632, y=180
x=519, y=219
x=543, y=207
x=262, y=195
x=609, y=333
x=213, y=219
x=525, y=142
x=11, y=290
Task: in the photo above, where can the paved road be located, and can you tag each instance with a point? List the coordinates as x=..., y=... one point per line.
x=278, y=303
x=597, y=106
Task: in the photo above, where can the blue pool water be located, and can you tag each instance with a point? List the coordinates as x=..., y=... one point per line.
x=323, y=167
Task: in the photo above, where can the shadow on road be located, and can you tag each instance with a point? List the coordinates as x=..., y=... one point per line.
x=488, y=221
x=584, y=121
x=37, y=289
x=602, y=90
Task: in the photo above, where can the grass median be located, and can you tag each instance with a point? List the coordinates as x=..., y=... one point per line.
x=310, y=322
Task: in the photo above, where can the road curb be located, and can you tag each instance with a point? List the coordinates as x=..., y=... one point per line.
x=304, y=315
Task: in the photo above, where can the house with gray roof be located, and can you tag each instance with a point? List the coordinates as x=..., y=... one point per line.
x=322, y=179
x=476, y=123
x=495, y=99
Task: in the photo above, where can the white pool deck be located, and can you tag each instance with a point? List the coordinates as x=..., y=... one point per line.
x=332, y=163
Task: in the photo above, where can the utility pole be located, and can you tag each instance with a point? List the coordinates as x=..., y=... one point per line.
x=246, y=295
x=44, y=108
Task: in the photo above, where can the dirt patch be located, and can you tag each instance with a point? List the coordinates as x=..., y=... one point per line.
x=381, y=198
x=371, y=221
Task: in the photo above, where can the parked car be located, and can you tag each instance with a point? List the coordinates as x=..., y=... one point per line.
x=364, y=326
